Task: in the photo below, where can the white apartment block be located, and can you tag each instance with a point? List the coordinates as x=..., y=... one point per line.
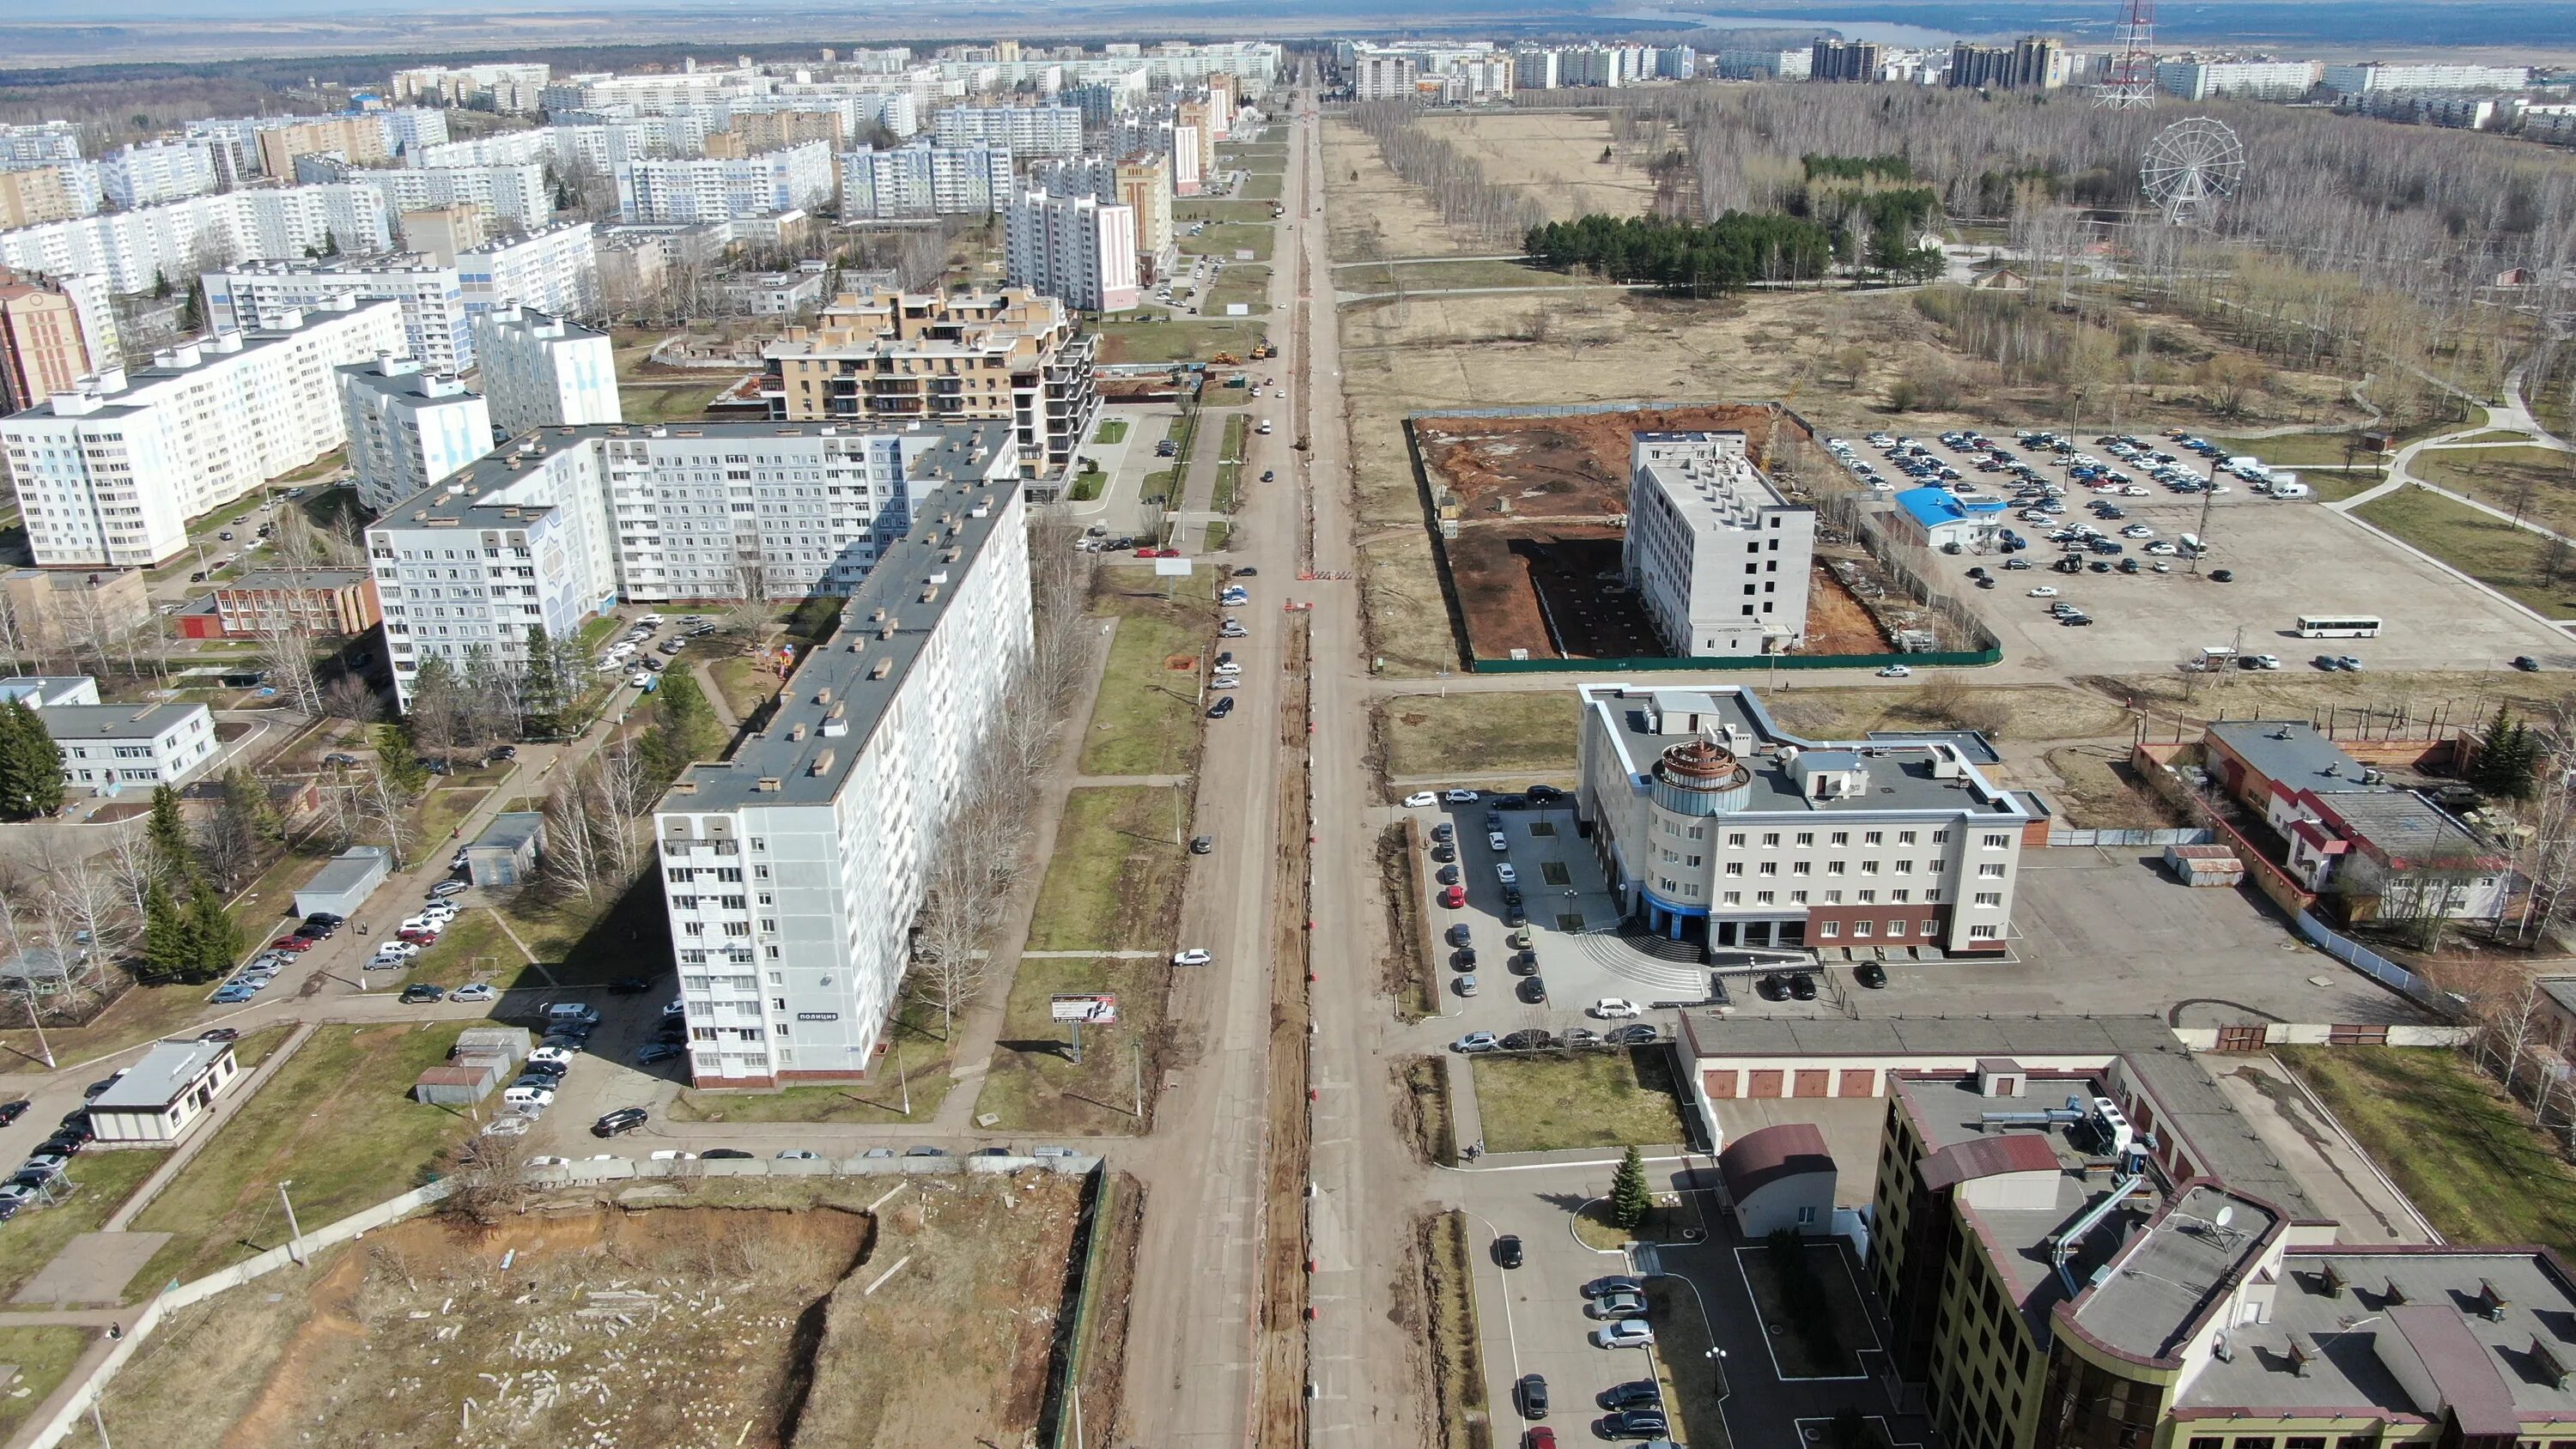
x=541, y=371
x=111, y=748
x=793, y=871
x=537, y=145
x=2374, y=76
x=862, y=105
x=513, y=88
x=1782, y=65
x=1717, y=827
x=148, y=175
x=1072, y=248
x=42, y=144
x=1162, y=134
x=791, y=178
x=649, y=95
x=553, y=269
x=1142, y=184
x=919, y=181
x=508, y=195
x=109, y=476
x=566, y=521
x=2262, y=80
x=1718, y=557
x=256, y=295
x=135, y=249
x=408, y=428
x=1020, y=130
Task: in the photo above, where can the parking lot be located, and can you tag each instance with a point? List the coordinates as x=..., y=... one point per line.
x=2284, y=558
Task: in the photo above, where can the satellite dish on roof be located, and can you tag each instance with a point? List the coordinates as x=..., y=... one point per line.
x=2226, y=1215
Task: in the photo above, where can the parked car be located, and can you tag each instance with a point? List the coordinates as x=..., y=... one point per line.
x=1616, y=1305
x=1194, y=956
x=11, y=1111
x=1532, y=991
x=1507, y=1251
x=1420, y=800
x=1870, y=974
x=1895, y=671
x=478, y=991
x=421, y=992
x=623, y=1120
x=1639, y=1035
x=1635, y=1394
x=1476, y=1041
x=1636, y=1424
x=1497, y=841
x=1612, y=1008
x=1221, y=708
x=1616, y=1283
x=1626, y=1333
x=212, y=1033
x=657, y=1051
x=1531, y=1391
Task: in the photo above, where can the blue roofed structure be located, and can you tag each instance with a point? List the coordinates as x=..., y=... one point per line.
x=1937, y=518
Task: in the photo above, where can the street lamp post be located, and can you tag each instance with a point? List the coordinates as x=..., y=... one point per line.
x=294, y=1234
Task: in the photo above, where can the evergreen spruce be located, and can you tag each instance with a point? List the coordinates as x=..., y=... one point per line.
x=31, y=765
x=166, y=947
x=1629, y=1200
x=168, y=831
x=214, y=942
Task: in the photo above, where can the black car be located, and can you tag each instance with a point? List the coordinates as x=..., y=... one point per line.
x=1532, y=1393
x=325, y=918
x=63, y=1144
x=2221, y=576
x=729, y=1154
x=1459, y=935
x=1533, y=990
x=504, y=752
x=1639, y=1035
x=2526, y=664
x=78, y=1123
x=1636, y=1424
x=1615, y=1283
x=1221, y=708
x=1448, y=875
x=1803, y=987
x=1870, y=974
x=1515, y=917
x=1524, y=963
x=1464, y=958
x=311, y=932
x=1635, y=1394
x=629, y=986
x=12, y=1111
x=1444, y=852
x=1544, y=794
x=1444, y=832
x=1247, y=572
x=1531, y=1040
x=97, y=1089
x=1202, y=844
x=1773, y=987
x=420, y=992
x=1511, y=895
x=624, y=1119
x=1512, y=802
x=1507, y=1251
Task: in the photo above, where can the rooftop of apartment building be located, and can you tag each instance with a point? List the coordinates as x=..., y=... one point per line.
x=836, y=699
x=1708, y=475
x=372, y=263
x=517, y=318
x=114, y=721
x=2493, y=1330
x=401, y=377
x=888, y=322
x=293, y=580
x=1721, y=739
x=100, y=395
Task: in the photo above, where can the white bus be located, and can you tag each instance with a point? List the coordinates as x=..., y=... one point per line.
x=2338, y=626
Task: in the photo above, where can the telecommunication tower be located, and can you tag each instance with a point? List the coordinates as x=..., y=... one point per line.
x=2131, y=84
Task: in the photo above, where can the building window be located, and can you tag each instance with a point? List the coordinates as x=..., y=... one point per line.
x=1830, y=929
x=1732, y=898
x=1806, y=838
x=1874, y=837
x=1735, y=840
x=1768, y=867
x=1771, y=840
x=1763, y=898
x=1864, y=928
x=1981, y=933
x=1896, y=928
x=1991, y=871
x=1996, y=842
x=1802, y=867
x=1905, y=837
x=1990, y=898
x=1735, y=867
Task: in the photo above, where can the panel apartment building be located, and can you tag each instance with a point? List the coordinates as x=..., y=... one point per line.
x=920, y=181
x=1072, y=247
x=1020, y=130
x=566, y=521
x=792, y=872
x=132, y=250
x=110, y=475
x=257, y=294
x=720, y=188
x=1715, y=552
x=553, y=269
x=408, y=427
x=890, y=357
x=1713, y=824
x=542, y=371
x=1141, y=182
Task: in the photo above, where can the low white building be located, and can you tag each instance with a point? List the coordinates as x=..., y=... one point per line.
x=542, y=371
x=408, y=428
x=165, y=1096
x=115, y=747
x=1073, y=248
x=1715, y=552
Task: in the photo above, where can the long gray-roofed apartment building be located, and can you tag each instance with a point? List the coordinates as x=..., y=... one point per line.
x=792, y=871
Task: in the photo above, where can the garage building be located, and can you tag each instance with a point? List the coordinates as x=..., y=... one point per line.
x=342, y=885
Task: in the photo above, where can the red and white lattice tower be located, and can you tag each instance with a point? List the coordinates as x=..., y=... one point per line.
x=2131, y=84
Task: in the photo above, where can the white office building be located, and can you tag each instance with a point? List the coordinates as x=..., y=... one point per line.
x=1073, y=248
x=119, y=747
x=1020, y=130
x=408, y=428
x=793, y=871
x=147, y=175
x=133, y=250
x=919, y=181
x=554, y=269
x=257, y=295
x=1718, y=827
x=542, y=371
x=43, y=144
x=720, y=188
x=566, y=521
x=110, y=475
x=1715, y=553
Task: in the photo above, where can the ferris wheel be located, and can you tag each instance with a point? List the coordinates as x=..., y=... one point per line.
x=2190, y=167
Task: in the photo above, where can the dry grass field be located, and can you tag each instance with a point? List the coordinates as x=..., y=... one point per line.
x=1555, y=154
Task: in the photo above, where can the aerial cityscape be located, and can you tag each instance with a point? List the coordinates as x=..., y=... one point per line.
x=1794, y=727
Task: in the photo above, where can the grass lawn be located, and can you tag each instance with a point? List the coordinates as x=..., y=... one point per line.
x=2536, y=482
x=1208, y=208
x=590, y=943
x=472, y=948
x=265, y=908
x=747, y=682
x=2469, y=1160
x=1428, y=736
x=2336, y=487
x=1226, y=238
x=666, y=402
x=44, y=1356
x=1033, y=1084
x=1141, y=340
x=106, y=1180
x=1241, y=282
x=1146, y=720
x=1264, y=186
x=1693, y=1382
x=595, y=634
x=1449, y=1286
x=1218, y=535
x=1112, y=430
x=143, y=1013
x=335, y=1121
x=2298, y=450
x=925, y=1060
x=442, y=812
x=2508, y=559
x=1114, y=883
x=1576, y=1099
x=1441, y=276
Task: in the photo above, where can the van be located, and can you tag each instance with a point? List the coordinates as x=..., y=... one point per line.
x=571, y=1011
x=2287, y=485
x=520, y=1099
x=2191, y=544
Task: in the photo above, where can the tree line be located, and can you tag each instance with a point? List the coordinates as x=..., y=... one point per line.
x=1727, y=255
x=1451, y=179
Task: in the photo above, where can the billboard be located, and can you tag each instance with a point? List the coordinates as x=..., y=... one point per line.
x=1096, y=1010
x=1172, y=568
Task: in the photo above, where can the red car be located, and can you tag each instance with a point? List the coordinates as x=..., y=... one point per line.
x=418, y=938
x=1454, y=897
x=1541, y=1437
x=292, y=945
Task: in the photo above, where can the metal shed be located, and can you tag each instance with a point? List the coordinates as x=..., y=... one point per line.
x=343, y=884
x=505, y=854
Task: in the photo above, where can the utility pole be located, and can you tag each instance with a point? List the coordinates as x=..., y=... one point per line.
x=294, y=1234
x=2208, y=500
x=98, y=1424
x=1137, y=1053
x=898, y=1070
x=42, y=1048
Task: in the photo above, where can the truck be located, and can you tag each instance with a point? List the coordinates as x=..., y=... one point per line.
x=2287, y=485
x=2215, y=657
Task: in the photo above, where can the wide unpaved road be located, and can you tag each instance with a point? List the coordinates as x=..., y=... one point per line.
x=1191, y=1378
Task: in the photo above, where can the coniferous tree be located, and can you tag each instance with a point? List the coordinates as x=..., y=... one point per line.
x=31, y=765
x=168, y=831
x=167, y=952
x=2508, y=761
x=214, y=942
x=395, y=757
x=684, y=727
x=546, y=696
x=1629, y=1199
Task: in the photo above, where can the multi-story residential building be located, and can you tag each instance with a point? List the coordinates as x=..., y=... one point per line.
x=2033, y=63
x=130, y=251
x=147, y=175
x=650, y=95
x=41, y=144
x=440, y=232
x=1714, y=825
x=1534, y=70
x=2262, y=80
x=435, y=330
x=42, y=350
x=408, y=428
x=1021, y=130
x=1378, y=75
x=1781, y=65
x=1072, y=247
x=1159, y=133
x=508, y=195
x=511, y=88
x=773, y=294
x=1716, y=554
x=2376, y=76
x=751, y=132
x=363, y=139
x=59, y=611
x=924, y=180
x=792, y=872
x=539, y=145
x=324, y=603
x=110, y=475
x=1142, y=183
x=1845, y=60
x=890, y=357
x=720, y=188
x=542, y=371
x=35, y=195
x=553, y=269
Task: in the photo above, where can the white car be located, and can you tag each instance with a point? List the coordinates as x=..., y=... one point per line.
x=397, y=950
x=1460, y=797
x=649, y=621
x=479, y=991
x=1506, y=874
x=423, y=922
x=1194, y=956
x=1498, y=840
x=545, y=1056
x=509, y=1126
x=1896, y=671
x=1421, y=800
x=1626, y=1333
x=2044, y=591
x=1225, y=681
x=1612, y=1008
x=639, y=679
